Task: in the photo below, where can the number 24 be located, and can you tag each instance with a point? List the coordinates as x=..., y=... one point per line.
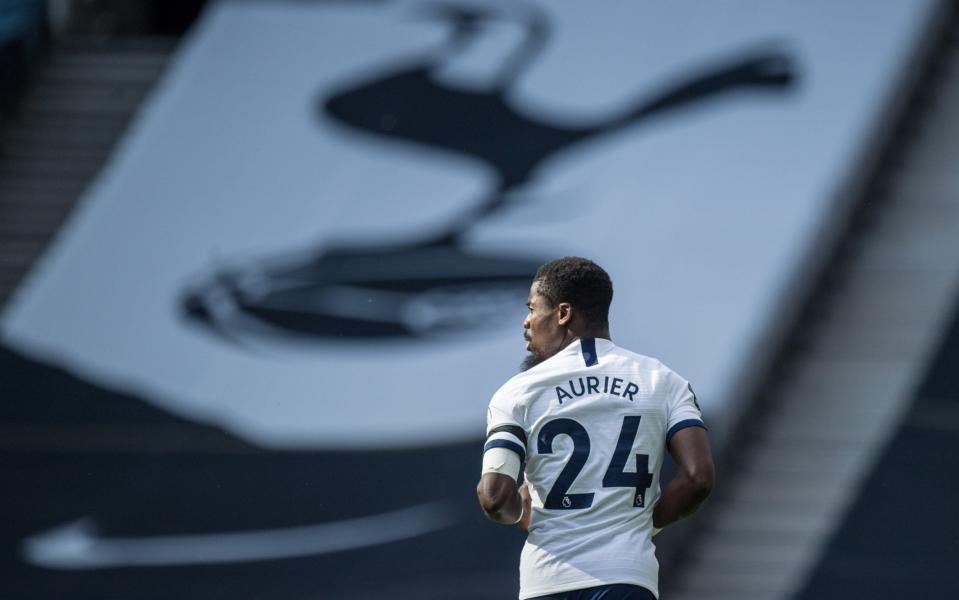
x=615, y=476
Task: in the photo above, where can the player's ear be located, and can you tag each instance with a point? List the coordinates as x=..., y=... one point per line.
x=564, y=313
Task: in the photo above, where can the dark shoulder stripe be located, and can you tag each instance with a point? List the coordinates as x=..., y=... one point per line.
x=588, y=346
x=514, y=429
x=682, y=425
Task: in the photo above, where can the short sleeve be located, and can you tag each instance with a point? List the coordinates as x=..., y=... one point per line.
x=503, y=410
x=505, y=426
x=683, y=407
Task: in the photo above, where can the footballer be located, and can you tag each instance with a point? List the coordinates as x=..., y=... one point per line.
x=588, y=424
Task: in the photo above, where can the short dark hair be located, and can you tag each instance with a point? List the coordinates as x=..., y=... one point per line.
x=580, y=282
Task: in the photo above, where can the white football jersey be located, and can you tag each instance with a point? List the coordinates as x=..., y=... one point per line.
x=592, y=424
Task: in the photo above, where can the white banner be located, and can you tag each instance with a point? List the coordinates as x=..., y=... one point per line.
x=320, y=230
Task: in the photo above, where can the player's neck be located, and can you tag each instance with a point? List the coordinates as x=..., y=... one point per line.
x=576, y=333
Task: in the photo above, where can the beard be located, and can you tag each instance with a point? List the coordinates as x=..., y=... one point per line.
x=532, y=359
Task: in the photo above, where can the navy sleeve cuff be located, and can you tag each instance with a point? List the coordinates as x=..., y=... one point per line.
x=683, y=425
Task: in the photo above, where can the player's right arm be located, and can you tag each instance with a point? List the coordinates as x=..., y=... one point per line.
x=503, y=456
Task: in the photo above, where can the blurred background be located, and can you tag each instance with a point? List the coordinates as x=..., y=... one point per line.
x=263, y=264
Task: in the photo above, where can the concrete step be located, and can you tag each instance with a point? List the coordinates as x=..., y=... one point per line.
x=100, y=74
x=76, y=133
x=34, y=148
x=82, y=91
x=78, y=106
x=81, y=169
x=38, y=191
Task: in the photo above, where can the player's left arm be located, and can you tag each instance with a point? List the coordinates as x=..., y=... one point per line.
x=694, y=478
x=688, y=445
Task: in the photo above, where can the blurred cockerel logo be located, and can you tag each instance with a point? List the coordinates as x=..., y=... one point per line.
x=433, y=284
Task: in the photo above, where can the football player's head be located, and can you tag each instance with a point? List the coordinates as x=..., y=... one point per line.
x=569, y=298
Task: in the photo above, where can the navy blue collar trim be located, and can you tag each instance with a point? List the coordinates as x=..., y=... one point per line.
x=588, y=346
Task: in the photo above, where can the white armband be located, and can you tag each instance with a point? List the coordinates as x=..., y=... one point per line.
x=501, y=460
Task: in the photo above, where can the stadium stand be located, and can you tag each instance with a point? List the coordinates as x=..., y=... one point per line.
x=908, y=498
x=79, y=101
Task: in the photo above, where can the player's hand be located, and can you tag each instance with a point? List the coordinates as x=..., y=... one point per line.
x=527, y=507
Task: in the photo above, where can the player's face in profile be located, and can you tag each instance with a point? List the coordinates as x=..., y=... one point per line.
x=543, y=333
